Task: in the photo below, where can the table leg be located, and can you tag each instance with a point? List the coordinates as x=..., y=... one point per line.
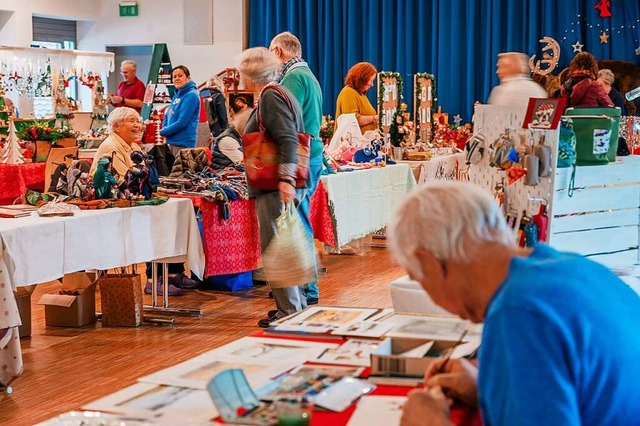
x=165, y=309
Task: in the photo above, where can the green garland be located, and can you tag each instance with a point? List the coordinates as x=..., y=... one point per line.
x=418, y=89
x=387, y=74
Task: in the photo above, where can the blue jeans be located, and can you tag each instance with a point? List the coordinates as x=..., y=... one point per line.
x=315, y=170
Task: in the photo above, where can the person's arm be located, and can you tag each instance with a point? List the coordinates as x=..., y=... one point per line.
x=231, y=148
x=603, y=97
x=190, y=104
x=531, y=366
x=221, y=111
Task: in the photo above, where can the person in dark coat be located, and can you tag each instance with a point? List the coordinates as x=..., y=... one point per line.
x=216, y=107
x=581, y=87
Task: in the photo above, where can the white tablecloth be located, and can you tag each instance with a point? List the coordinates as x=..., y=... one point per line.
x=363, y=201
x=44, y=249
x=10, y=353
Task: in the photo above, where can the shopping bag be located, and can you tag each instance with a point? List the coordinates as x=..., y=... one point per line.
x=290, y=258
x=121, y=297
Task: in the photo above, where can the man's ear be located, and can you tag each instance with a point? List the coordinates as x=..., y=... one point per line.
x=430, y=265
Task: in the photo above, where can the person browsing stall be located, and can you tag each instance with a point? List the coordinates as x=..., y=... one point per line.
x=227, y=148
x=282, y=119
x=560, y=344
x=353, y=97
x=180, y=123
x=125, y=129
x=215, y=106
x=298, y=78
x=581, y=87
x=516, y=86
x=130, y=91
x=606, y=78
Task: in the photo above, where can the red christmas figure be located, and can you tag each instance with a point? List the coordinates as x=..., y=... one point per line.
x=604, y=6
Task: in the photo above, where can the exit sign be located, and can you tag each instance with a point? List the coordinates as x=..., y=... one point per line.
x=129, y=9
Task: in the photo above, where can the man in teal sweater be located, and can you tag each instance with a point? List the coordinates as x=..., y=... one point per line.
x=298, y=78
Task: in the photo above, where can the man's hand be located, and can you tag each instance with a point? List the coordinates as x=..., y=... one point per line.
x=287, y=192
x=426, y=408
x=459, y=379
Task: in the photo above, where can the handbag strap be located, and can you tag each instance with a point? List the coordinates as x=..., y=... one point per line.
x=278, y=89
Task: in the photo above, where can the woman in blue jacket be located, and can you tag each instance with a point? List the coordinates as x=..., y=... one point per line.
x=180, y=123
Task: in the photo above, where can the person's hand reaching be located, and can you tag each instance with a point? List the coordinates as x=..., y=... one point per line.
x=459, y=379
x=426, y=408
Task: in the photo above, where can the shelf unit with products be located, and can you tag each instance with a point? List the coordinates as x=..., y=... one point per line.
x=159, y=81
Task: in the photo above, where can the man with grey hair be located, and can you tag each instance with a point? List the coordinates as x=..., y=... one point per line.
x=131, y=90
x=560, y=344
x=298, y=78
x=606, y=78
x=125, y=129
x=516, y=87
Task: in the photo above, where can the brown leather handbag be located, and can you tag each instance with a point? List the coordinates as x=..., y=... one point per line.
x=261, y=157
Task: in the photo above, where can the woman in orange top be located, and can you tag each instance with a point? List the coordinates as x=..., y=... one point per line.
x=352, y=97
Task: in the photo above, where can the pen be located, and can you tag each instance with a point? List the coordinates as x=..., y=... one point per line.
x=448, y=356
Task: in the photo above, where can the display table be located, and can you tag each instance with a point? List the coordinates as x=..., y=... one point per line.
x=44, y=249
x=15, y=179
x=431, y=169
x=363, y=201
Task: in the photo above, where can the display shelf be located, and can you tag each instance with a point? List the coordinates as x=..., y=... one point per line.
x=160, y=60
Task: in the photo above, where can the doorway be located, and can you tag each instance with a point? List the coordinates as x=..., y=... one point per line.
x=141, y=54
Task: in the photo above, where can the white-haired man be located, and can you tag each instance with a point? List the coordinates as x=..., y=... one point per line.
x=516, y=87
x=125, y=127
x=131, y=90
x=560, y=344
x=298, y=78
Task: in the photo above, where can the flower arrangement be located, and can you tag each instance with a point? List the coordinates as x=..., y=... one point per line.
x=64, y=132
x=452, y=135
x=327, y=128
x=37, y=132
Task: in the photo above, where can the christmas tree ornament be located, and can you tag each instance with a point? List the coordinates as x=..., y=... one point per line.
x=457, y=119
x=604, y=7
x=577, y=47
x=12, y=154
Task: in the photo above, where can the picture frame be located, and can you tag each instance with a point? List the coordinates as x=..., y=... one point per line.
x=544, y=113
x=248, y=96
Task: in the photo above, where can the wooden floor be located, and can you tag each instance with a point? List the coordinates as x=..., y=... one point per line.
x=66, y=368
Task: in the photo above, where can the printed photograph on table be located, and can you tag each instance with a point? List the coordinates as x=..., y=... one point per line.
x=435, y=328
x=266, y=350
x=353, y=352
x=544, y=113
x=382, y=410
x=326, y=316
x=305, y=381
x=165, y=403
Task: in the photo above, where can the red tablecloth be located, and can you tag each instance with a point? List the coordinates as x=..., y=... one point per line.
x=321, y=218
x=460, y=415
x=231, y=246
x=16, y=178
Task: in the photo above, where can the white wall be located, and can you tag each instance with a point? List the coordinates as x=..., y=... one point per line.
x=161, y=21
x=18, y=31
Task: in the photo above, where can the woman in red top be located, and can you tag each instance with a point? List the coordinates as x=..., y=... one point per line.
x=582, y=88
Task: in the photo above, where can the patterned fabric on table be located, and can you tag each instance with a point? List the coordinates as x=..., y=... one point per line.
x=231, y=246
x=10, y=353
x=16, y=178
x=320, y=217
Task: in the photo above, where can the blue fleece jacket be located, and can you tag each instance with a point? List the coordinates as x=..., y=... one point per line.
x=180, y=122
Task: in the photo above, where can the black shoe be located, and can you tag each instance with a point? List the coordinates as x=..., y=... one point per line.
x=272, y=313
x=266, y=322
x=270, y=295
x=312, y=301
x=173, y=290
x=184, y=282
x=259, y=283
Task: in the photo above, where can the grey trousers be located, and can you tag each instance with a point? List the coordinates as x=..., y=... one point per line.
x=288, y=299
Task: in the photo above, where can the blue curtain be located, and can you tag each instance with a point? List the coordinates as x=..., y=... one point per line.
x=456, y=40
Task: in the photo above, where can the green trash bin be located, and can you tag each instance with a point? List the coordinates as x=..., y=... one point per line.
x=596, y=132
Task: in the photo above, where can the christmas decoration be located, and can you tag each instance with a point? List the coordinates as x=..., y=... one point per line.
x=389, y=98
x=457, y=119
x=604, y=38
x=99, y=114
x=327, y=128
x=424, y=103
x=12, y=154
x=577, y=47
x=604, y=7
x=550, y=60
x=638, y=51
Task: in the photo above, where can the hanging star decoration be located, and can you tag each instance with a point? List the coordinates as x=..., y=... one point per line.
x=457, y=119
x=577, y=47
x=604, y=38
x=638, y=51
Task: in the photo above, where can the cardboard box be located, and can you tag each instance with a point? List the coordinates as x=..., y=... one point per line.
x=23, y=299
x=387, y=361
x=66, y=310
x=121, y=298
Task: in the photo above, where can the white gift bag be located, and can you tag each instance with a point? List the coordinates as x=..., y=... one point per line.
x=347, y=134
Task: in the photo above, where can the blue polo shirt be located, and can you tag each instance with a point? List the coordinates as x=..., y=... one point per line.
x=561, y=345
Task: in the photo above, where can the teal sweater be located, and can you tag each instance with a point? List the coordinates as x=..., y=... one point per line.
x=306, y=89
